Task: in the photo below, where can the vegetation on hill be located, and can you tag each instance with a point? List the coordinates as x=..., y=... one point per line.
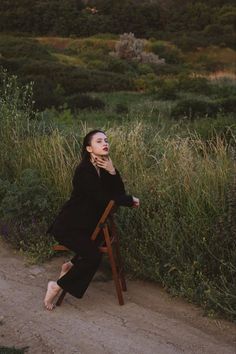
x=67, y=72
x=188, y=23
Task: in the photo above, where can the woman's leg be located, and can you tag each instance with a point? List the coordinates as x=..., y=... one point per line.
x=85, y=265
x=65, y=268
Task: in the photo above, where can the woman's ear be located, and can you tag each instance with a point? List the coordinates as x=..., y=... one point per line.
x=89, y=149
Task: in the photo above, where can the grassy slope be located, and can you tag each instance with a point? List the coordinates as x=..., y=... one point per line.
x=224, y=57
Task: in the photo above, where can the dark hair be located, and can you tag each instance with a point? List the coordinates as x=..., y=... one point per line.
x=85, y=155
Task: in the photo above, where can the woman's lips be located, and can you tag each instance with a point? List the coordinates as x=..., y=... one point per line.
x=105, y=149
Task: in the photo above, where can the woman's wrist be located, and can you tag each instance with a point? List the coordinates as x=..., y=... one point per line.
x=112, y=172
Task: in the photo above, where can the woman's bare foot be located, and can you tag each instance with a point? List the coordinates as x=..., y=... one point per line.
x=65, y=268
x=51, y=293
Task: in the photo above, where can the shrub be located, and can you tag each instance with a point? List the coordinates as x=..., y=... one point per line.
x=168, y=90
x=169, y=52
x=145, y=69
x=194, y=107
x=223, y=87
x=119, y=66
x=194, y=84
x=26, y=200
x=26, y=208
x=213, y=30
x=121, y=108
x=80, y=101
x=169, y=69
x=228, y=104
x=131, y=48
x=209, y=64
x=45, y=92
x=15, y=47
x=147, y=82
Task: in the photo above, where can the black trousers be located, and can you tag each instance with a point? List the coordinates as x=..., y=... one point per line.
x=85, y=263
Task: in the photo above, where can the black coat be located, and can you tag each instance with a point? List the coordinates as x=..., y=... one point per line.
x=90, y=195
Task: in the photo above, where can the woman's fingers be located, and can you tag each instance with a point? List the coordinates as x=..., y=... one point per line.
x=100, y=163
x=105, y=164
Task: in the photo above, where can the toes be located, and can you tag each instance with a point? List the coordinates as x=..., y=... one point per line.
x=52, y=291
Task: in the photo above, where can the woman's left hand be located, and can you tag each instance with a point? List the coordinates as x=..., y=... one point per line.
x=106, y=164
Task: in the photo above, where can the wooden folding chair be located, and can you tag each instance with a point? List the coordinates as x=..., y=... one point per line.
x=111, y=246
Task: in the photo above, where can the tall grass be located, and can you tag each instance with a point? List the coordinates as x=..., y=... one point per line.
x=183, y=234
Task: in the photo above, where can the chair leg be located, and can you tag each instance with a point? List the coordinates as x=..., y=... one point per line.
x=118, y=256
x=120, y=267
x=61, y=297
x=113, y=267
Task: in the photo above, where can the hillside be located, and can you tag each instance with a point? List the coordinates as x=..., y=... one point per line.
x=188, y=23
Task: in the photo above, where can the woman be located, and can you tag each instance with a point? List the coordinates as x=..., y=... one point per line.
x=96, y=181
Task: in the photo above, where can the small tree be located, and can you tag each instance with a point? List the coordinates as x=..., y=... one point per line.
x=131, y=48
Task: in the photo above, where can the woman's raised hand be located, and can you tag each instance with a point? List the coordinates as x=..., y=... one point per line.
x=136, y=202
x=106, y=164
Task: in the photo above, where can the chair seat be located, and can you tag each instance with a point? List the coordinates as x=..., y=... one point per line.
x=102, y=249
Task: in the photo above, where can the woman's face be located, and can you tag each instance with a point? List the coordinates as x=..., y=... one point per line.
x=99, y=145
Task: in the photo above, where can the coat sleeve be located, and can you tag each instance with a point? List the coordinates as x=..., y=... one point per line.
x=117, y=189
x=114, y=182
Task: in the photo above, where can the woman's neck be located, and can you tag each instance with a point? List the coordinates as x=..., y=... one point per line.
x=96, y=167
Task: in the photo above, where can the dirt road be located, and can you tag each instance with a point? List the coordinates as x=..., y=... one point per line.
x=150, y=322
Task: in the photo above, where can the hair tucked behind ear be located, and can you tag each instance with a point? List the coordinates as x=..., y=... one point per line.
x=85, y=155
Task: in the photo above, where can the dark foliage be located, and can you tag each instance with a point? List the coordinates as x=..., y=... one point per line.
x=192, y=23
x=192, y=108
x=76, y=102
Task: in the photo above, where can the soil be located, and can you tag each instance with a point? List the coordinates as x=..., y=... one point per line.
x=150, y=322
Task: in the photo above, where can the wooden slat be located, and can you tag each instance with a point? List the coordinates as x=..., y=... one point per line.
x=103, y=218
x=60, y=248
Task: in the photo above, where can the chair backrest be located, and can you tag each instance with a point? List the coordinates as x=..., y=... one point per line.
x=106, y=214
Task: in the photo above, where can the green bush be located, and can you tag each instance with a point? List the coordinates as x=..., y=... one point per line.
x=228, y=104
x=26, y=200
x=207, y=129
x=17, y=47
x=45, y=92
x=192, y=108
x=213, y=30
x=169, y=69
x=48, y=76
x=26, y=208
x=168, y=90
x=194, y=84
x=169, y=52
x=223, y=88
x=188, y=41
x=209, y=64
x=81, y=101
x=121, y=108
x=119, y=66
